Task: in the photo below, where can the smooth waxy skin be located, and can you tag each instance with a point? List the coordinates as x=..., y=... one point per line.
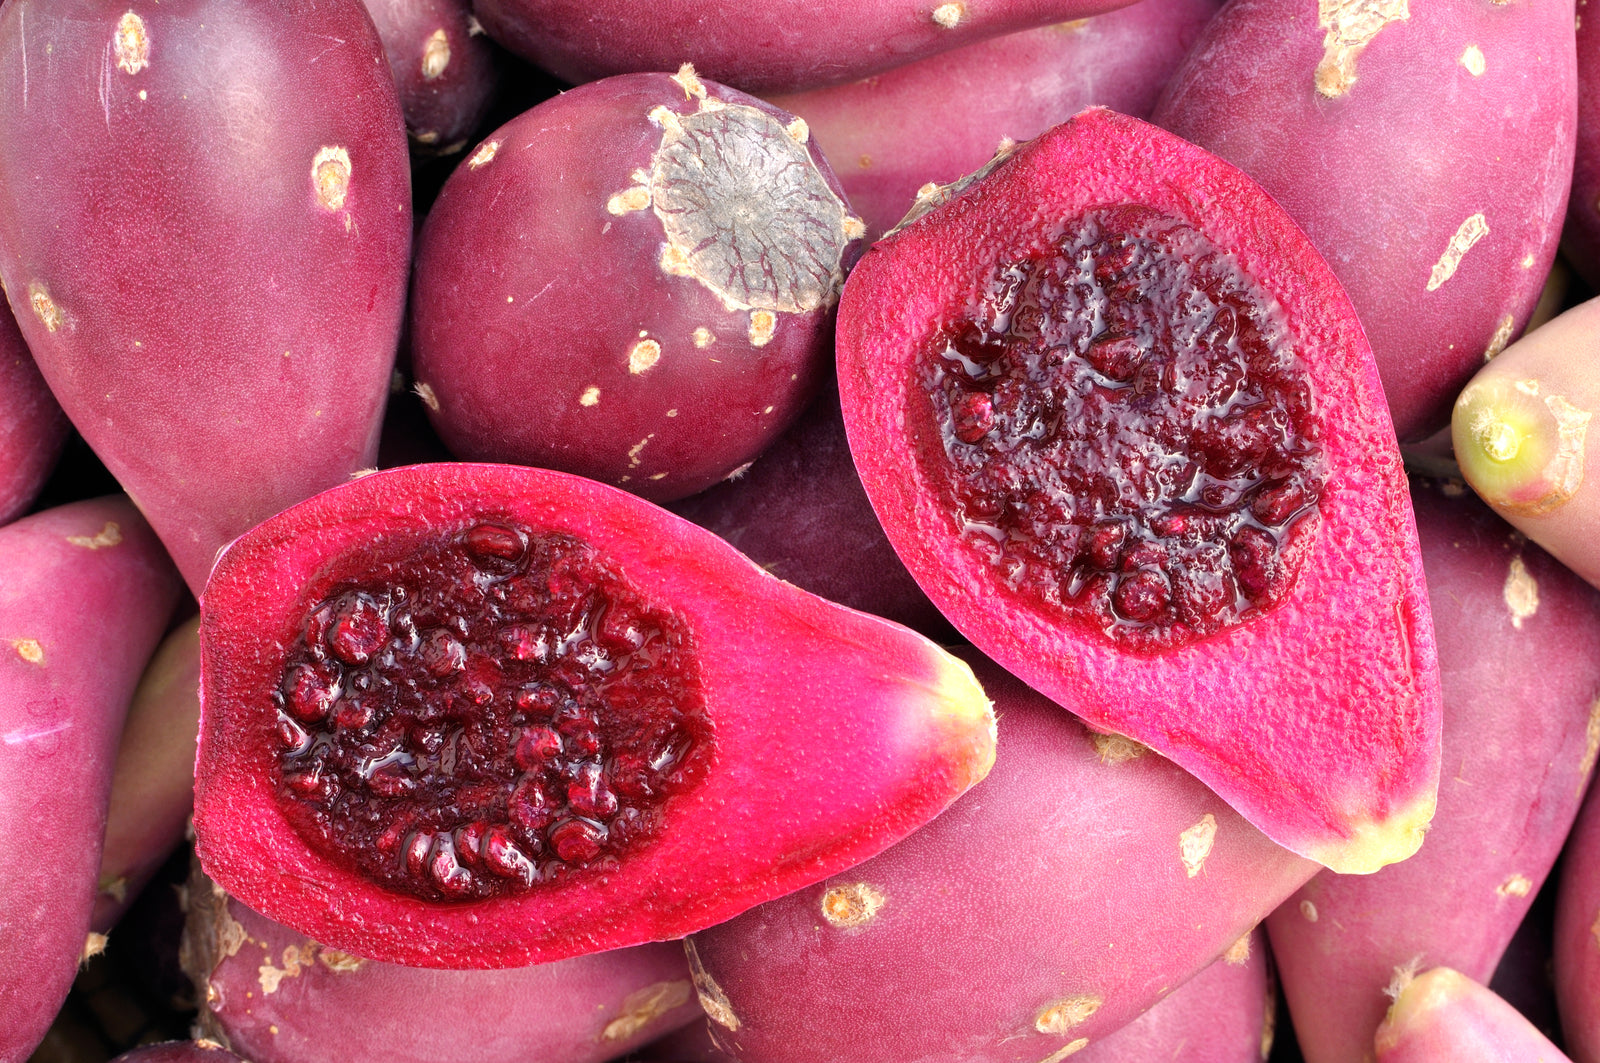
x=1442, y=1016
x=443, y=68
x=1093, y=882
x=32, y=426
x=779, y=46
x=800, y=512
x=1523, y=435
x=1516, y=634
x=549, y=327
x=833, y=733
x=1428, y=162
x=1224, y=1014
x=942, y=117
x=152, y=787
x=275, y=996
x=1577, y=950
x=1581, y=238
x=204, y=218
x=85, y=594
x=1268, y=723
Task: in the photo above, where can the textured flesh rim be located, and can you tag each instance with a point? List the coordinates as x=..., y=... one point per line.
x=789, y=681
x=1319, y=720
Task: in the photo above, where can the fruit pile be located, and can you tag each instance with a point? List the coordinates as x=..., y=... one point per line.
x=787, y=533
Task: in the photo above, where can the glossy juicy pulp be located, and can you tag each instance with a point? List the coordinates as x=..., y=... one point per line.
x=1319, y=719
x=222, y=337
x=835, y=733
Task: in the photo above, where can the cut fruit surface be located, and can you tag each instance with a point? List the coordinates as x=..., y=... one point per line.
x=1121, y=423
x=485, y=716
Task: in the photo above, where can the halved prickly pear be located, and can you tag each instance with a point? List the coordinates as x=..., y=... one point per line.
x=1096, y=876
x=204, y=224
x=483, y=716
x=1516, y=633
x=274, y=996
x=85, y=593
x=1119, y=421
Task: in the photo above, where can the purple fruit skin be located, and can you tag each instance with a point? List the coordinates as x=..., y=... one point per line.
x=32, y=426
x=178, y=1052
x=85, y=594
x=1224, y=1014
x=534, y=298
x=941, y=118
x=1463, y=1022
x=1387, y=178
x=443, y=67
x=1577, y=948
x=771, y=47
x=1085, y=879
x=1581, y=239
x=1516, y=634
x=274, y=996
x=152, y=787
x=801, y=513
x=219, y=326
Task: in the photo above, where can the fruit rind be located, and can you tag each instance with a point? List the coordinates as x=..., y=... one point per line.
x=1344, y=772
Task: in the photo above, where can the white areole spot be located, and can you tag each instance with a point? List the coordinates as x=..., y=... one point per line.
x=435, y=54
x=1472, y=59
x=1063, y=1015
x=330, y=176
x=44, y=307
x=131, y=44
x=644, y=354
x=484, y=155
x=1309, y=911
x=1521, y=593
x=426, y=393
x=29, y=650
x=590, y=396
x=763, y=323
x=644, y=1006
x=704, y=337
x=1349, y=26
x=1469, y=232
x=949, y=15
x=1194, y=844
x=1515, y=886
x=1501, y=337
x=853, y=905
x=110, y=535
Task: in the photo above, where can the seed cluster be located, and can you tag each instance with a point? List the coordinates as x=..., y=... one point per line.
x=484, y=712
x=1128, y=433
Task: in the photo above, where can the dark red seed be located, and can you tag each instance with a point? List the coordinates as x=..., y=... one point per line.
x=577, y=841
x=358, y=630
x=536, y=747
x=487, y=541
